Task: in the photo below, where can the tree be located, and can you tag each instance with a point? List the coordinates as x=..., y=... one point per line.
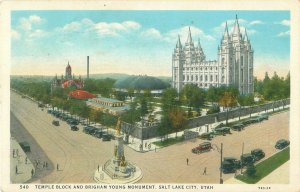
x=192, y=96
x=169, y=100
x=178, y=119
x=228, y=100
x=251, y=170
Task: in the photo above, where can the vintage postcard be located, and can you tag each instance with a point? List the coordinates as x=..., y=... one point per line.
x=150, y=96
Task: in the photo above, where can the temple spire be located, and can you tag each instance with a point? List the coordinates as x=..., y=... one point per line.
x=246, y=35
x=226, y=34
x=236, y=29
x=178, y=45
x=189, y=39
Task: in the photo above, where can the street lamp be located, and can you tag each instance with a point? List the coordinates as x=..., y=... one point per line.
x=242, y=159
x=221, y=180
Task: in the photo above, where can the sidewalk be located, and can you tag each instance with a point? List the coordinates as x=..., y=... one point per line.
x=18, y=162
x=278, y=176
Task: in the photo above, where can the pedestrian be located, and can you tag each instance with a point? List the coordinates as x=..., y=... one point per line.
x=16, y=169
x=46, y=164
x=17, y=152
x=32, y=172
x=204, y=172
x=187, y=161
x=25, y=160
x=98, y=168
x=145, y=144
x=57, y=167
x=14, y=153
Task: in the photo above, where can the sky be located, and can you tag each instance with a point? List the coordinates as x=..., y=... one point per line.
x=138, y=42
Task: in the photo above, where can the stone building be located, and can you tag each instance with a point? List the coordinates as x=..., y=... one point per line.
x=234, y=66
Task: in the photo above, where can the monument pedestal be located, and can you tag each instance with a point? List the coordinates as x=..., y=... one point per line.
x=118, y=169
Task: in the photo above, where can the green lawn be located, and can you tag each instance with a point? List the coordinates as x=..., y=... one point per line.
x=267, y=166
x=168, y=142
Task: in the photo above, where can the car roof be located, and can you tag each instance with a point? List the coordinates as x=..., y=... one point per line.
x=256, y=150
x=246, y=154
x=282, y=141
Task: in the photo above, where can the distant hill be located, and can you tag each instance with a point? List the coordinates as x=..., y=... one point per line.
x=141, y=82
x=116, y=76
x=108, y=75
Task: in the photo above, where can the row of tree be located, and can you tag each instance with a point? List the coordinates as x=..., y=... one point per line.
x=273, y=88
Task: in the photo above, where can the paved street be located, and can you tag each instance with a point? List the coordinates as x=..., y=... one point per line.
x=79, y=154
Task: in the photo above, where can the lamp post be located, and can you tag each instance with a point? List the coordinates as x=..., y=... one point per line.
x=241, y=159
x=221, y=180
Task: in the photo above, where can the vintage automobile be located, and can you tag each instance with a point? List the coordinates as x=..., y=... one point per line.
x=227, y=167
x=263, y=117
x=237, y=127
x=282, y=143
x=106, y=137
x=247, y=159
x=221, y=131
x=74, y=128
x=98, y=133
x=203, y=147
x=257, y=154
x=25, y=146
x=236, y=163
x=55, y=122
x=207, y=136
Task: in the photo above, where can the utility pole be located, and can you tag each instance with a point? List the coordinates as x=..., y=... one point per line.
x=221, y=180
x=241, y=159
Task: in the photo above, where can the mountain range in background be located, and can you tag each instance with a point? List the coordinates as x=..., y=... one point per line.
x=119, y=77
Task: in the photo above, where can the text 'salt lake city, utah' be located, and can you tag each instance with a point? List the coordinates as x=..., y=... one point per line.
x=149, y=100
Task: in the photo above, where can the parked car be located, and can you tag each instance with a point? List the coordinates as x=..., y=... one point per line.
x=237, y=127
x=222, y=131
x=207, y=136
x=257, y=154
x=282, y=143
x=55, y=122
x=106, y=137
x=74, y=128
x=263, y=117
x=247, y=159
x=203, y=147
x=227, y=167
x=98, y=133
x=25, y=146
x=235, y=162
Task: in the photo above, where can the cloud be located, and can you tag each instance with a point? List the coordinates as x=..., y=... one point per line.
x=284, y=34
x=152, y=33
x=38, y=33
x=172, y=35
x=256, y=22
x=115, y=29
x=243, y=23
x=35, y=19
x=26, y=23
x=15, y=35
x=73, y=26
x=284, y=22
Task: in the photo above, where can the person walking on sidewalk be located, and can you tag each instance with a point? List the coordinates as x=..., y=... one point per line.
x=26, y=160
x=57, y=167
x=32, y=172
x=187, y=161
x=16, y=169
x=204, y=172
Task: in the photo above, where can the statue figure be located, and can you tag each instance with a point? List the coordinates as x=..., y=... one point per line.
x=118, y=126
x=115, y=151
x=123, y=162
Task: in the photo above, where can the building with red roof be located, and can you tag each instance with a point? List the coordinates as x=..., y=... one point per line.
x=68, y=80
x=81, y=94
